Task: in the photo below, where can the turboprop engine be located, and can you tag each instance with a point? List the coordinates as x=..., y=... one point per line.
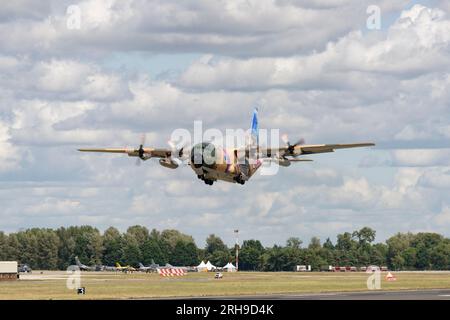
x=284, y=162
x=168, y=163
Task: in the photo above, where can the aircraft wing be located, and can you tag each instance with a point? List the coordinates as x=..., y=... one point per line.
x=148, y=152
x=311, y=149
x=321, y=148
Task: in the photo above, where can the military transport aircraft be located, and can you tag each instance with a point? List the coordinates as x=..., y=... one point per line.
x=211, y=162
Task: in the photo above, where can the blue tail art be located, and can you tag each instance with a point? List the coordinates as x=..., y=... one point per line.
x=255, y=127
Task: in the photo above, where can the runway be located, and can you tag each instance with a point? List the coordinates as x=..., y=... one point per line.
x=234, y=286
x=436, y=294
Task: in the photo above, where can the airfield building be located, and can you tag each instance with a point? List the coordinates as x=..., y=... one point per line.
x=8, y=270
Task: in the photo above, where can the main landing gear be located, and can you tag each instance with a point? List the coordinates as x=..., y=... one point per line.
x=207, y=181
x=239, y=180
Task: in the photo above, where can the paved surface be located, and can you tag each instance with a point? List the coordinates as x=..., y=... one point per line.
x=437, y=294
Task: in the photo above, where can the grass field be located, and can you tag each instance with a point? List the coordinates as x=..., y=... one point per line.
x=110, y=285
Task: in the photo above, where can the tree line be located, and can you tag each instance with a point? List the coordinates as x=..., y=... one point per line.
x=43, y=248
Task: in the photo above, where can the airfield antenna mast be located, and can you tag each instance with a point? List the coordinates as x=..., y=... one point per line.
x=237, y=248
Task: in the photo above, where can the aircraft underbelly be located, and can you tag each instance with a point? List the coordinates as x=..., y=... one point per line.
x=222, y=172
x=219, y=175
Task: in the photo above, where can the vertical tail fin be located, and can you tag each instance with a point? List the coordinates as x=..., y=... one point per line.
x=77, y=261
x=255, y=127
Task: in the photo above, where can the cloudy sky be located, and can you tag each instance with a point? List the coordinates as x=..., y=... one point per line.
x=314, y=67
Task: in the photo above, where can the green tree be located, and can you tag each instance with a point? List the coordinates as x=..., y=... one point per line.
x=328, y=254
x=113, y=246
x=3, y=246
x=13, y=247
x=275, y=259
x=88, y=244
x=191, y=254
x=440, y=256
x=424, y=244
x=214, y=243
x=346, y=250
x=345, y=242
x=328, y=244
x=169, y=239
x=316, y=255
x=315, y=244
x=66, y=247
x=315, y=258
x=140, y=233
x=216, y=251
x=397, y=244
x=184, y=254
x=292, y=254
x=220, y=258
x=378, y=256
x=28, y=247
x=84, y=242
x=250, y=255
x=132, y=253
x=152, y=252
x=410, y=257
x=365, y=236
x=47, y=247
x=294, y=242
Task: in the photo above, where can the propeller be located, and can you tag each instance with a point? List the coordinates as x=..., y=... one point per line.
x=291, y=147
x=178, y=155
x=141, y=152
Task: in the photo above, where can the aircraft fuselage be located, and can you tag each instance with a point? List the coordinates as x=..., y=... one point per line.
x=211, y=163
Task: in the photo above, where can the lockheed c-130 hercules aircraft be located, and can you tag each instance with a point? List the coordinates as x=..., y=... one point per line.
x=237, y=165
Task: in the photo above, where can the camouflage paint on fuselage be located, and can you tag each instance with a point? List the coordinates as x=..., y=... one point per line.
x=211, y=162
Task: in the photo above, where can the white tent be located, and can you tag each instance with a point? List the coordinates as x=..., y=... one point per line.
x=210, y=266
x=202, y=267
x=229, y=267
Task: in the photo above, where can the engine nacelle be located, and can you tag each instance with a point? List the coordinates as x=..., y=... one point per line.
x=284, y=162
x=168, y=163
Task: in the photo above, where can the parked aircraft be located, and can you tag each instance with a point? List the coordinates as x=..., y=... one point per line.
x=150, y=268
x=127, y=268
x=84, y=267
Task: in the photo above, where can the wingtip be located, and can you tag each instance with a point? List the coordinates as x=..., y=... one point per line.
x=368, y=144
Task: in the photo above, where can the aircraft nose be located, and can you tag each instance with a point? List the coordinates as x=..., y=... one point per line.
x=203, y=154
x=197, y=156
